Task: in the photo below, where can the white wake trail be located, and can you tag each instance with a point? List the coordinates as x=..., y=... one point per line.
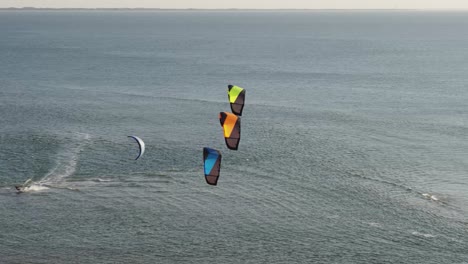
x=66, y=162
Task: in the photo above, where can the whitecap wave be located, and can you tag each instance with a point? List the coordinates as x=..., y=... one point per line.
x=430, y=196
x=374, y=224
x=103, y=180
x=416, y=233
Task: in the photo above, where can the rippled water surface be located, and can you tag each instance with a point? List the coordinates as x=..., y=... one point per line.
x=353, y=148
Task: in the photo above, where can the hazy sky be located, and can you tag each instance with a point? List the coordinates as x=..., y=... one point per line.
x=340, y=4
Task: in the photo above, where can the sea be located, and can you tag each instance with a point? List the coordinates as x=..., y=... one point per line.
x=354, y=136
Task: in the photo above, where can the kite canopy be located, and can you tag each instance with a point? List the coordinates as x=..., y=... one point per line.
x=236, y=97
x=212, y=165
x=141, y=145
x=231, y=126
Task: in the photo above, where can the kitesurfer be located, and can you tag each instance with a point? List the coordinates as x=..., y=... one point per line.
x=19, y=189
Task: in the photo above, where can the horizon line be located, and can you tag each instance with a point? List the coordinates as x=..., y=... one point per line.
x=226, y=9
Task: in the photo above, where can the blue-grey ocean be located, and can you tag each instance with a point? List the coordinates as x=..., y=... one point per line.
x=354, y=144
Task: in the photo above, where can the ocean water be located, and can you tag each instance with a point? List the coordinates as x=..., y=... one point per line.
x=354, y=143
